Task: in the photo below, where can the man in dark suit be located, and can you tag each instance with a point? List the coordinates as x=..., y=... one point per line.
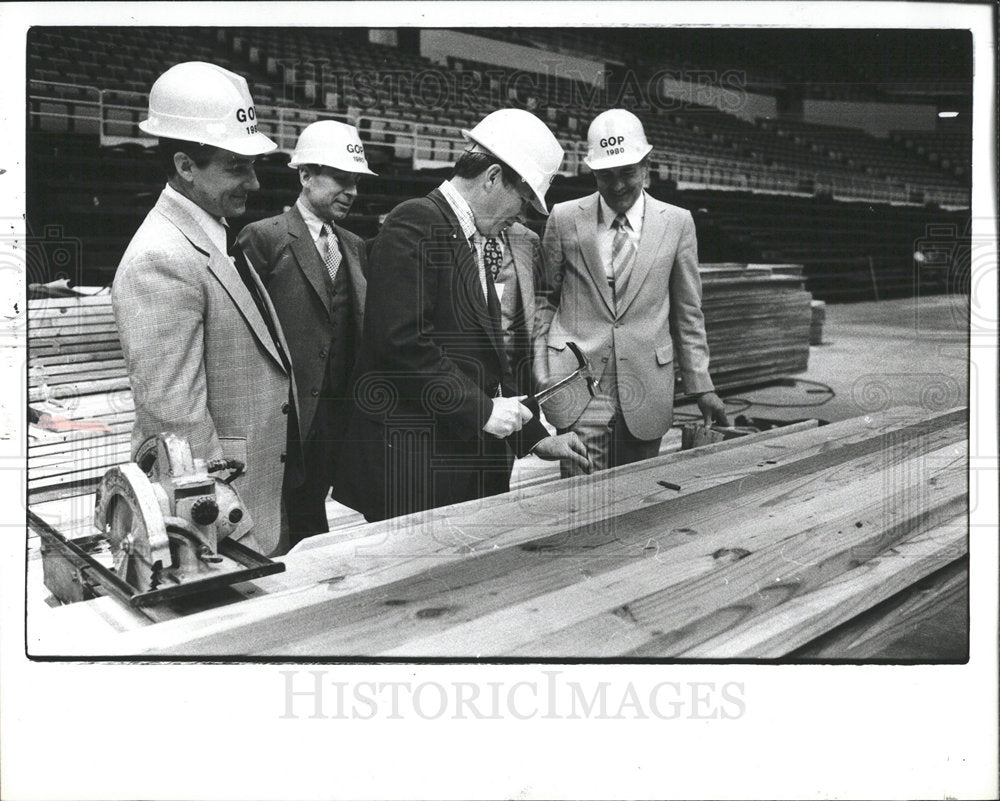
x=314, y=272
x=436, y=417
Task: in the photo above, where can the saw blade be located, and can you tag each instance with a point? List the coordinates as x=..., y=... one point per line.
x=130, y=516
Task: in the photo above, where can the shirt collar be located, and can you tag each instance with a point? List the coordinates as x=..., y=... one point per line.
x=313, y=223
x=459, y=205
x=214, y=227
x=633, y=215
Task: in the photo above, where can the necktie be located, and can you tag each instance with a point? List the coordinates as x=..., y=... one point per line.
x=622, y=255
x=492, y=257
x=329, y=250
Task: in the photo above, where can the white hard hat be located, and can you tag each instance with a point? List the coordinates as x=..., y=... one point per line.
x=204, y=103
x=525, y=144
x=615, y=139
x=331, y=144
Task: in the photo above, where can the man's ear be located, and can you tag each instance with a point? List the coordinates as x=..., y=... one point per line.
x=184, y=166
x=493, y=175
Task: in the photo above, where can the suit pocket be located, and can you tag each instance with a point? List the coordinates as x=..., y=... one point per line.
x=234, y=448
x=665, y=353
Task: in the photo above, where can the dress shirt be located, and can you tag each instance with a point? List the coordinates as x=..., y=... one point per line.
x=313, y=223
x=606, y=231
x=467, y=222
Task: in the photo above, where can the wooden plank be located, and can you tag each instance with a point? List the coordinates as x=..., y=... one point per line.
x=436, y=599
x=883, y=631
x=691, y=619
x=73, y=390
x=613, y=607
x=40, y=304
x=528, y=628
x=74, y=358
x=841, y=599
x=447, y=538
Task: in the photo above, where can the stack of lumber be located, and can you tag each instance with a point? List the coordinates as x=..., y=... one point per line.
x=76, y=371
x=757, y=319
x=772, y=541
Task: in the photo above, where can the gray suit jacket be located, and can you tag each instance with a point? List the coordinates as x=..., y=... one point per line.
x=281, y=249
x=659, y=316
x=200, y=359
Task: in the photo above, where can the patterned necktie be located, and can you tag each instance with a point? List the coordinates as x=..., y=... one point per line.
x=492, y=257
x=328, y=249
x=622, y=255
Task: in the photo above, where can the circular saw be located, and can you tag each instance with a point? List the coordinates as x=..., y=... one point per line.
x=173, y=524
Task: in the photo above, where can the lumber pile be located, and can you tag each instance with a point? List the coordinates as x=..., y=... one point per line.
x=757, y=318
x=76, y=371
x=773, y=540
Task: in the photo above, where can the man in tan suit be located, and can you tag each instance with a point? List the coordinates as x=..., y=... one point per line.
x=314, y=272
x=621, y=281
x=205, y=354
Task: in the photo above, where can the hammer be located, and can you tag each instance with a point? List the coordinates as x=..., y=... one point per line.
x=582, y=371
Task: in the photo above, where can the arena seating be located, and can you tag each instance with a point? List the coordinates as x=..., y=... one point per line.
x=96, y=196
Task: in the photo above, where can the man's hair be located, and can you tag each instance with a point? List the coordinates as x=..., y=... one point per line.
x=473, y=163
x=198, y=153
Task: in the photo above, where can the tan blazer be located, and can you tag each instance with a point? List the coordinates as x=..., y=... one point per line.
x=658, y=318
x=200, y=359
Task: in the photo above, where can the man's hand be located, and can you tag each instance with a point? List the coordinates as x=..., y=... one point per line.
x=713, y=409
x=508, y=415
x=563, y=446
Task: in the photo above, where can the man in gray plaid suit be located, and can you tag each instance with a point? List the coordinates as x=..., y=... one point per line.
x=205, y=353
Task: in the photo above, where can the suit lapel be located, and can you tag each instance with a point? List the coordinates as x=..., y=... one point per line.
x=220, y=265
x=651, y=242
x=467, y=273
x=306, y=255
x=586, y=233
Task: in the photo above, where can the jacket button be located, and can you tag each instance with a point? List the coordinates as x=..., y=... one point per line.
x=282, y=458
x=284, y=408
x=314, y=392
x=322, y=353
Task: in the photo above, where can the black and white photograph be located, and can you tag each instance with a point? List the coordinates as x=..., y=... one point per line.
x=599, y=363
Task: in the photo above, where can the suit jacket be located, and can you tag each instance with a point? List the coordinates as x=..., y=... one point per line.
x=658, y=317
x=430, y=362
x=200, y=359
x=282, y=251
x=526, y=250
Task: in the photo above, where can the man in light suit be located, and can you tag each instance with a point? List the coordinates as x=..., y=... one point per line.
x=621, y=281
x=314, y=271
x=436, y=417
x=205, y=354
x=516, y=270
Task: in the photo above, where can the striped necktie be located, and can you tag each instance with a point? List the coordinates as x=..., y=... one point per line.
x=329, y=250
x=622, y=255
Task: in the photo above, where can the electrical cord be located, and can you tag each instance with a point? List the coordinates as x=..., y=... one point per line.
x=821, y=389
x=746, y=403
